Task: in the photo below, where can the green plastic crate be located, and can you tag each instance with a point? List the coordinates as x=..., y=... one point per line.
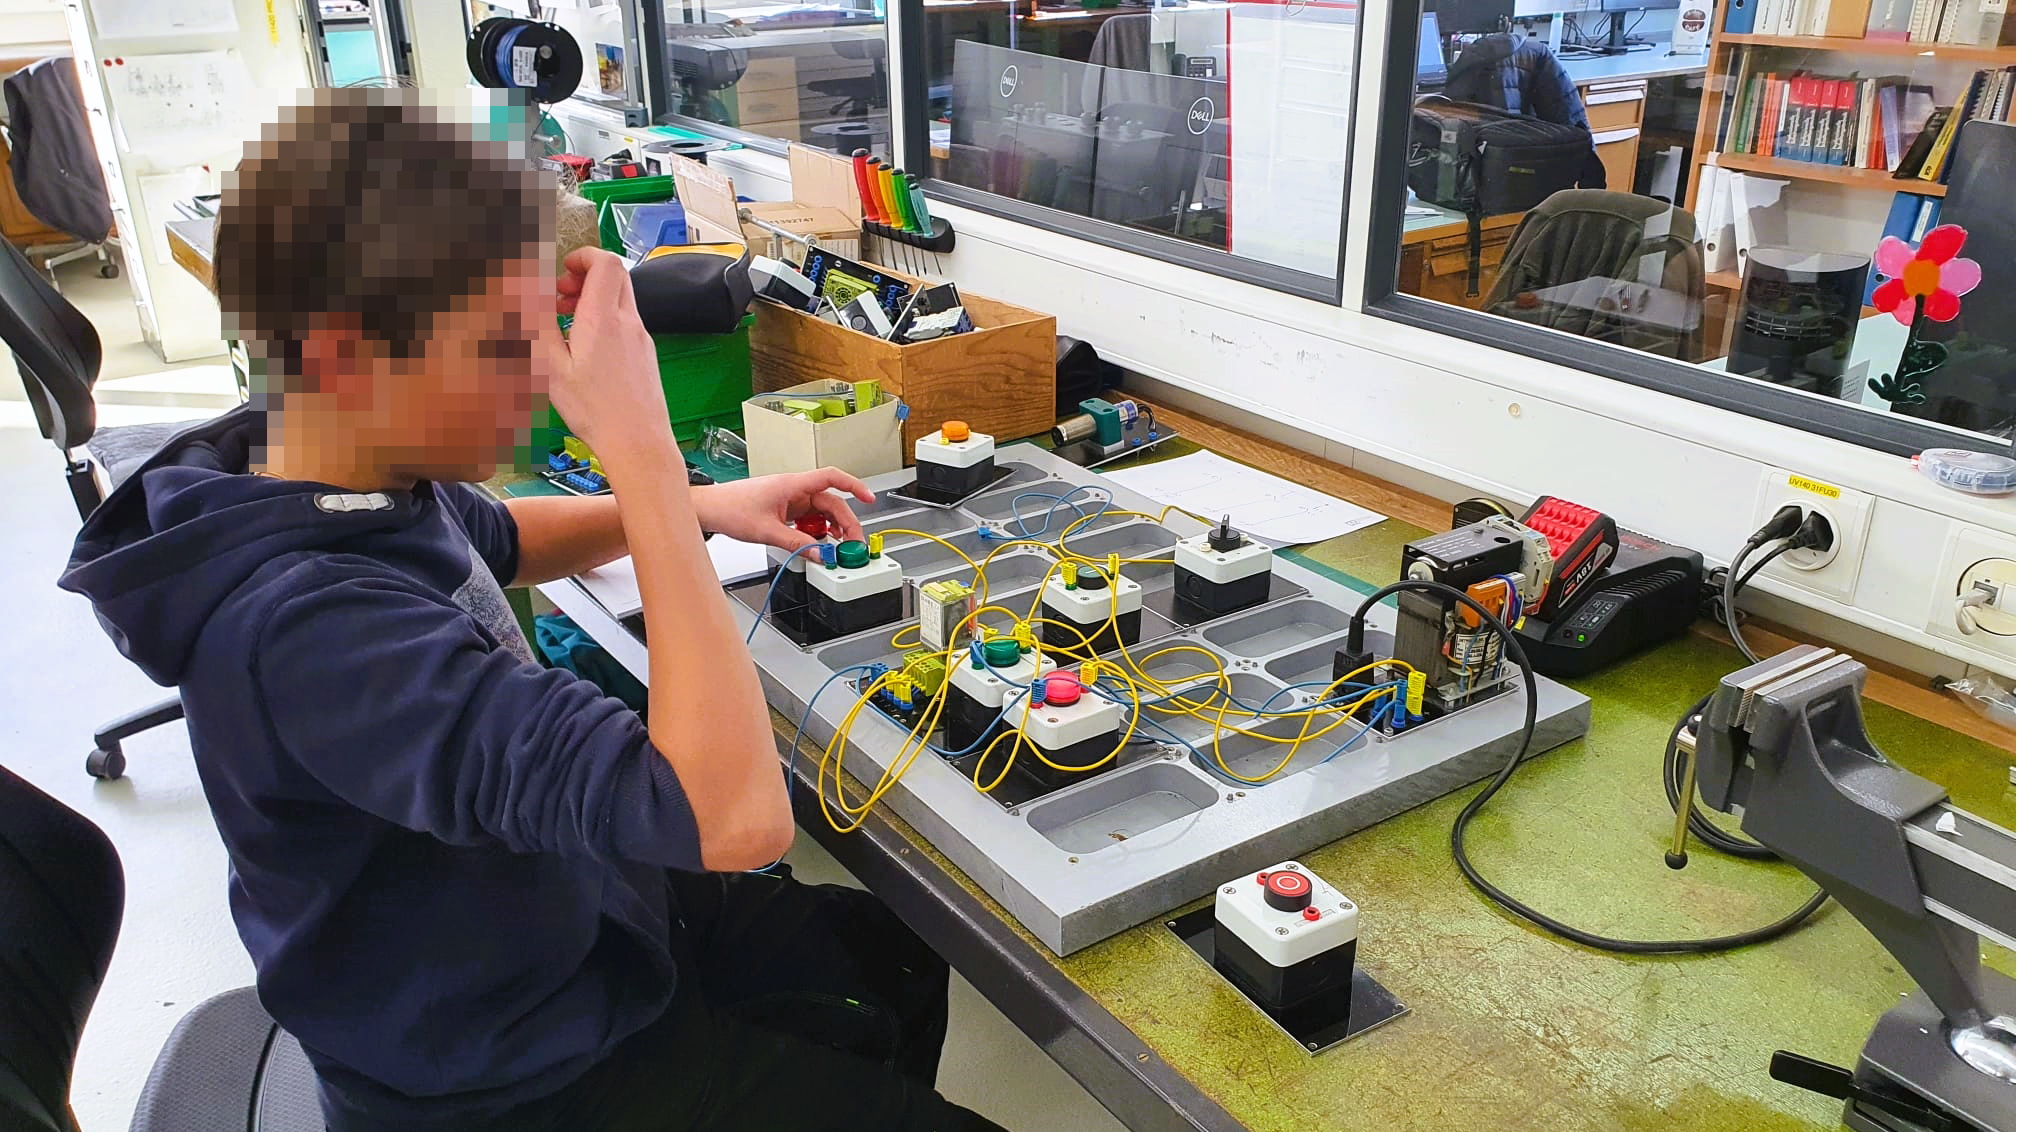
x=706, y=379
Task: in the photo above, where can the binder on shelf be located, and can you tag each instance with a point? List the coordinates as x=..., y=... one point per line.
x=1846, y=19
x=1758, y=212
x=1719, y=233
x=1739, y=16
x=1943, y=144
x=1922, y=144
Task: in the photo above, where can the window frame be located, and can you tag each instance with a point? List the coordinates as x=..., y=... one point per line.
x=915, y=108
x=1823, y=416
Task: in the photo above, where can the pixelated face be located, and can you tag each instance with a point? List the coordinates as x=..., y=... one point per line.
x=469, y=398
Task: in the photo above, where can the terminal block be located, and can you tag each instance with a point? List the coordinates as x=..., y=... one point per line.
x=855, y=587
x=1107, y=612
x=980, y=686
x=1065, y=724
x=1223, y=571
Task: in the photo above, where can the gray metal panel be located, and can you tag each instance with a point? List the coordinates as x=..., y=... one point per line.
x=1070, y=900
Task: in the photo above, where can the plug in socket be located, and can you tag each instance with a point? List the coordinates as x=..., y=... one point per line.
x=1831, y=572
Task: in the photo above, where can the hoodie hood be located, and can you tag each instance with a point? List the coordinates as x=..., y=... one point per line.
x=166, y=548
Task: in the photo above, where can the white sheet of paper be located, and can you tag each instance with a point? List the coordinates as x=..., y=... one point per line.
x=184, y=109
x=615, y=585
x=153, y=19
x=1270, y=508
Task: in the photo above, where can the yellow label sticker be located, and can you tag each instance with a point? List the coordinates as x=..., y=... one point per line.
x=1824, y=490
x=272, y=24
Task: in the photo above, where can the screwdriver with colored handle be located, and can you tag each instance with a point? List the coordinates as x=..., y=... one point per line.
x=921, y=213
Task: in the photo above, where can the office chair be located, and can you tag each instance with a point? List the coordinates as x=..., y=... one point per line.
x=62, y=892
x=859, y=94
x=1579, y=260
x=56, y=350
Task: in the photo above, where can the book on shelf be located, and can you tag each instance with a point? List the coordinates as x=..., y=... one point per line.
x=1922, y=145
x=1925, y=20
x=1975, y=23
x=1889, y=19
x=1845, y=19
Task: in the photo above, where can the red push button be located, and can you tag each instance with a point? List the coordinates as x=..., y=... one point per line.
x=811, y=525
x=1287, y=891
x=1062, y=690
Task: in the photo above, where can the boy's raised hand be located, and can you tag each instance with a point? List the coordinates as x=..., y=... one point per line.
x=605, y=371
x=762, y=509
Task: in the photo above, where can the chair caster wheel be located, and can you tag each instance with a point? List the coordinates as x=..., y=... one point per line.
x=108, y=271
x=106, y=765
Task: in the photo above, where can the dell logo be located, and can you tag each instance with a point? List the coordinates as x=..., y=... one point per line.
x=1198, y=118
x=1009, y=78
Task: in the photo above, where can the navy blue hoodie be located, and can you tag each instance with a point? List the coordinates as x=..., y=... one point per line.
x=446, y=862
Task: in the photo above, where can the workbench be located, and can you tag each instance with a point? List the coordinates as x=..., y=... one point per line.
x=1508, y=1028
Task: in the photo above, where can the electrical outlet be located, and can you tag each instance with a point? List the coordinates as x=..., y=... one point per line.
x=1974, y=555
x=1831, y=572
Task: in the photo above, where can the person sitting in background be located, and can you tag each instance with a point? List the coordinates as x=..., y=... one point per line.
x=1521, y=76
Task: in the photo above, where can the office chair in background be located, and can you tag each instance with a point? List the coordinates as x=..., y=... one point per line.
x=62, y=893
x=57, y=353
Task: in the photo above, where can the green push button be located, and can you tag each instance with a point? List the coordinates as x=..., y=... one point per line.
x=852, y=554
x=1002, y=652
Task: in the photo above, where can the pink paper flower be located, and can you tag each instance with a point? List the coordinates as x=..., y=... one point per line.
x=1934, y=271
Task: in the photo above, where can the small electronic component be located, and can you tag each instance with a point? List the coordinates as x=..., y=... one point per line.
x=1107, y=612
x=865, y=314
x=574, y=469
x=953, y=463
x=1067, y=726
x=942, y=610
x=977, y=689
x=781, y=282
x=1105, y=430
x=855, y=587
x=1283, y=936
x=1458, y=655
x=1222, y=571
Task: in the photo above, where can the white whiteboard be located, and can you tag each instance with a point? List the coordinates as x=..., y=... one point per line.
x=182, y=109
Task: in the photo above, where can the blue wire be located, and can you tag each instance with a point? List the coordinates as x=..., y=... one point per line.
x=772, y=591
x=1364, y=728
x=791, y=757
x=1057, y=501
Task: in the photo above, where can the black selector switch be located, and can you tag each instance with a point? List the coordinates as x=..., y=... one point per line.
x=1224, y=538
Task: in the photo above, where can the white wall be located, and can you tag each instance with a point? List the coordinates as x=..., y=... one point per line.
x=33, y=27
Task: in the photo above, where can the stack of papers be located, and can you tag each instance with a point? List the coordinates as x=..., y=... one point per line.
x=614, y=586
x=1267, y=507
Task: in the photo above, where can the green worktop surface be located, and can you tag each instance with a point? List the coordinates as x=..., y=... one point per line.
x=1509, y=1028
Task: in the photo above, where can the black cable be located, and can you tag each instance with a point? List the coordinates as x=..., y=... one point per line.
x=1499, y=896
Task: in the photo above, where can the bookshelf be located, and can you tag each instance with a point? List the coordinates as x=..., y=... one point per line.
x=1855, y=55
x=1832, y=174
x=1954, y=52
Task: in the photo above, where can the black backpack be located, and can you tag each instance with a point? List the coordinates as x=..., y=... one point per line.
x=1483, y=161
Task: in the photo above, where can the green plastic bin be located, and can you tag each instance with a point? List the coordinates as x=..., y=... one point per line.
x=706, y=379
x=631, y=189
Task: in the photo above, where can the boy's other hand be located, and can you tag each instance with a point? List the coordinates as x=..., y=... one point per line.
x=761, y=510
x=605, y=371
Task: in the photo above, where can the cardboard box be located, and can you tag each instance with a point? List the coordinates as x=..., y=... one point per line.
x=1000, y=378
x=765, y=105
x=768, y=71
x=712, y=215
x=866, y=442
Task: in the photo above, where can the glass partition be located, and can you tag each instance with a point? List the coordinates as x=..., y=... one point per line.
x=1222, y=126
x=816, y=73
x=1715, y=220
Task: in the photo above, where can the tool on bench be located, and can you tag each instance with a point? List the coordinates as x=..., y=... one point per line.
x=1782, y=742
x=894, y=212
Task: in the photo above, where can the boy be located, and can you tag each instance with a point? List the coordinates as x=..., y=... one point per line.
x=479, y=893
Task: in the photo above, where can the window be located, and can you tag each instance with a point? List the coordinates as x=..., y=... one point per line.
x=1706, y=223
x=1214, y=133
x=815, y=73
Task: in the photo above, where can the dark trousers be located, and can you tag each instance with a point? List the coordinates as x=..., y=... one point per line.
x=800, y=1008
